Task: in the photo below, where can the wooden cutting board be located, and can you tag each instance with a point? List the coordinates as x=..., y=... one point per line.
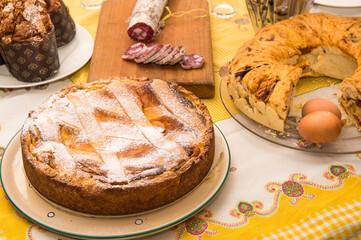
x=192, y=33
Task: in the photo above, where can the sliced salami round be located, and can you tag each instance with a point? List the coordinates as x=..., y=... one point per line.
x=166, y=59
x=159, y=48
x=144, y=22
x=134, y=51
x=163, y=53
x=192, y=61
x=178, y=56
x=150, y=51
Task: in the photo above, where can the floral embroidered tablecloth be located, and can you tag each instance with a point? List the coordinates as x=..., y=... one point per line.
x=271, y=192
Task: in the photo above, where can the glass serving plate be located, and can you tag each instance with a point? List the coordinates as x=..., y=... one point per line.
x=347, y=142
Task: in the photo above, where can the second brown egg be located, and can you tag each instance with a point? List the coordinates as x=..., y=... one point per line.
x=320, y=104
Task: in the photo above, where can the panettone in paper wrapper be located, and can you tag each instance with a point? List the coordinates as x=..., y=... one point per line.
x=62, y=21
x=28, y=41
x=32, y=61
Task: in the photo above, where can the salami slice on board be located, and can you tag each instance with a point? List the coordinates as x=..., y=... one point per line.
x=134, y=51
x=178, y=56
x=163, y=53
x=159, y=48
x=170, y=55
x=150, y=51
x=144, y=23
x=192, y=61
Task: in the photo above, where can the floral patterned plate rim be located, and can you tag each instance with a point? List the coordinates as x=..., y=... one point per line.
x=35, y=208
x=72, y=57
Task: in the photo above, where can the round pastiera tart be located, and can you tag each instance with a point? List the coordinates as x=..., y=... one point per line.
x=265, y=70
x=116, y=147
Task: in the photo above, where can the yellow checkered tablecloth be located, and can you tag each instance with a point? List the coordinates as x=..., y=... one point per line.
x=334, y=223
x=270, y=193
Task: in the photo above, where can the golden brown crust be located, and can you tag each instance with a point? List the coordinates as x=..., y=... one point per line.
x=94, y=190
x=286, y=43
x=24, y=21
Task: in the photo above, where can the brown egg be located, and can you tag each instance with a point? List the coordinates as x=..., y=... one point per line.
x=320, y=104
x=320, y=127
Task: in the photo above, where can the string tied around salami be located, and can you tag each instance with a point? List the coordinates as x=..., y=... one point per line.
x=182, y=13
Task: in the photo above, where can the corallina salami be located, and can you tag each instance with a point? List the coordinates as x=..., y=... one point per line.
x=178, y=56
x=151, y=50
x=144, y=23
x=192, y=61
x=134, y=51
x=163, y=54
x=166, y=59
x=155, y=55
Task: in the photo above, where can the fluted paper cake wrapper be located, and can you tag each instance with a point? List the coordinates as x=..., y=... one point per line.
x=1, y=60
x=32, y=61
x=64, y=25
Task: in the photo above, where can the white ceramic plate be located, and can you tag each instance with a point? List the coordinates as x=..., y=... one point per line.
x=339, y=3
x=40, y=211
x=72, y=56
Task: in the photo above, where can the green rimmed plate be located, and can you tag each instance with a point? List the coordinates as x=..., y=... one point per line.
x=45, y=214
